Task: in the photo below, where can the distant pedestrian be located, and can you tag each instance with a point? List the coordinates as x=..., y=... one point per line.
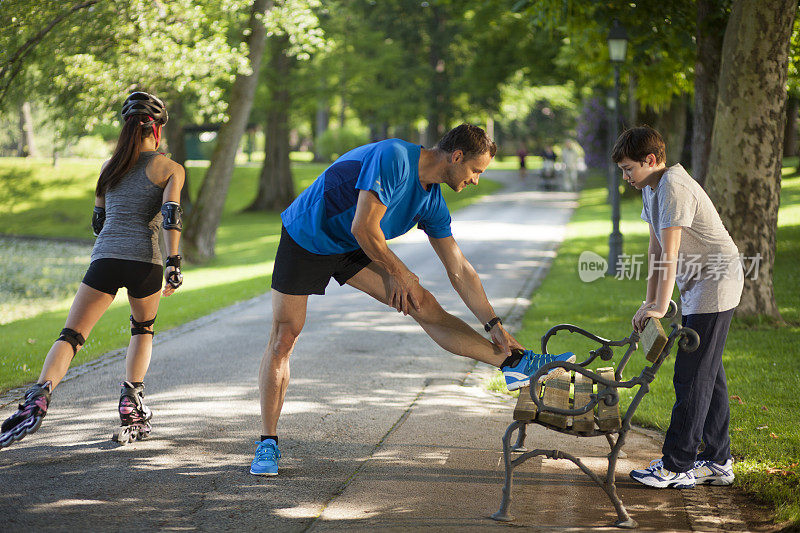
x=522, y=154
x=138, y=190
x=685, y=229
x=549, y=168
x=569, y=155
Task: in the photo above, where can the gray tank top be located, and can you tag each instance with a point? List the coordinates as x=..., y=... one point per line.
x=133, y=217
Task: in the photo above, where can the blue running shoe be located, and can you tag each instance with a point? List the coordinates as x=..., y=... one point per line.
x=266, y=461
x=520, y=375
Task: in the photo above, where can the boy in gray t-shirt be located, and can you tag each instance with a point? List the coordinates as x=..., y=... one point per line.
x=689, y=246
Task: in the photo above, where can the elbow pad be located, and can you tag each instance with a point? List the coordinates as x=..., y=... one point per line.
x=98, y=219
x=172, y=215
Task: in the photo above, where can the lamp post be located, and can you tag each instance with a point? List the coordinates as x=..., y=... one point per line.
x=617, y=47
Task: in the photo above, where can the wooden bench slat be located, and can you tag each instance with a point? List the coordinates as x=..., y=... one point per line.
x=556, y=394
x=607, y=415
x=525, y=410
x=583, y=389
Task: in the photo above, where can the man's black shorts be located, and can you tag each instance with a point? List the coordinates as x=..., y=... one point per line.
x=298, y=271
x=108, y=275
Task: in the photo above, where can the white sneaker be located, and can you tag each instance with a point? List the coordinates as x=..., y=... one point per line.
x=659, y=477
x=711, y=473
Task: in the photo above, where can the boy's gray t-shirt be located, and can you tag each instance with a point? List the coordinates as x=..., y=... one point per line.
x=709, y=277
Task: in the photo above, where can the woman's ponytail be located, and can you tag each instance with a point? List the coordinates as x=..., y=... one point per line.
x=129, y=147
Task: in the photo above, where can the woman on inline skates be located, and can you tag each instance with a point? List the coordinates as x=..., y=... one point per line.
x=138, y=190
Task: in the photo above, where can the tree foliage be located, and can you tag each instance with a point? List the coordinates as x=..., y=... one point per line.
x=660, y=50
x=179, y=48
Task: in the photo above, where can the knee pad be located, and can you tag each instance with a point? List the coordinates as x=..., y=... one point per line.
x=138, y=328
x=74, y=338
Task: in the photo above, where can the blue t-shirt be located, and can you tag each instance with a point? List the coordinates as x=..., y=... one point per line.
x=320, y=218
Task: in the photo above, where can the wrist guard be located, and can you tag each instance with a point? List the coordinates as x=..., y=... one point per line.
x=171, y=212
x=98, y=220
x=174, y=278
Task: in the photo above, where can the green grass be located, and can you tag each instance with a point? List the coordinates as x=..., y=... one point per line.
x=60, y=206
x=511, y=162
x=762, y=362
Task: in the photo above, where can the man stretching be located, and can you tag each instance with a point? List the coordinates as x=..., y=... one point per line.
x=338, y=228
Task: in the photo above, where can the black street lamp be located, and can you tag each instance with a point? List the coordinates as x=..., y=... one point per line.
x=617, y=47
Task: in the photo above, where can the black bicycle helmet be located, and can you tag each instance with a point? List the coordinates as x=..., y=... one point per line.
x=140, y=103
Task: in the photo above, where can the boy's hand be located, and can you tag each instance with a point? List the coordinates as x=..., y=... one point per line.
x=645, y=312
x=642, y=308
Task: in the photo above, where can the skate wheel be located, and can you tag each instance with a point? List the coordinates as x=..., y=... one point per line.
x=122, y=435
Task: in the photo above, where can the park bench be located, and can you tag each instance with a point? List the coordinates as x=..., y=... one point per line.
x=587, y=413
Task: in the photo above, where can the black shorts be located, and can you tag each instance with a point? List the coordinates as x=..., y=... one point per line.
x=298, y=271
x=108, y=275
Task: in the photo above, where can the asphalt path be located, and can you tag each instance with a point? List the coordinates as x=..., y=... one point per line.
x=381, y=428
x=356, y=370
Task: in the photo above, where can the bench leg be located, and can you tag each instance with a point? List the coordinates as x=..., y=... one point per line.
x=611, y=443
x=502, y=514
x=519, y=446
x=624, y=520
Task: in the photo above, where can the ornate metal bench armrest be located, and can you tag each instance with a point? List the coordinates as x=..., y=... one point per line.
x=672, y=310
x=604, y=352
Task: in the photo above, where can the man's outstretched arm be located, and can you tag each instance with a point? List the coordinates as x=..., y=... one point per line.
x=468, y=285
x=404, y=288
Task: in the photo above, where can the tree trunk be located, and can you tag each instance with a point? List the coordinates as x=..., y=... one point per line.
x=27, y=146
x=710, y=18
x=199, y=239
x=671, y=123
x=744, y=170
x=21, y=145
x=438, y=100
x=344, y=76
x=790, y=132
x=176, y=144
x=174, y=134
x=633, y=103
x=322, y=119
x=275, y=184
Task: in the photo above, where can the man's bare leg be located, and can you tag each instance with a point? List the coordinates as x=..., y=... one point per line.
x=448, y=331
x=288, y=319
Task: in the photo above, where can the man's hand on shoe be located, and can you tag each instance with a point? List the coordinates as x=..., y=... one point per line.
x=504, y=339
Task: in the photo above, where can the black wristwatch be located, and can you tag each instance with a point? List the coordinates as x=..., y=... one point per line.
x=492, y=323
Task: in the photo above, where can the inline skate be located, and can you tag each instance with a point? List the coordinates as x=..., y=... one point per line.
x=134, y=415
x=29, y=416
